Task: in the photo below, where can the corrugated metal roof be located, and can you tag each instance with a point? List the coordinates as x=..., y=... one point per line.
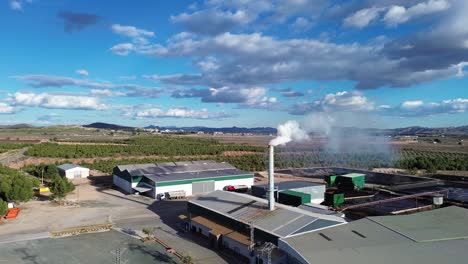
x=68, y=166
x=183, y=170
x=287, y=185
x=193, y=175
x=440, y=224
x=283, y=221
x=375, y=240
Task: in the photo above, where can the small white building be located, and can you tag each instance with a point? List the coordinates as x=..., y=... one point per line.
x=72, y=171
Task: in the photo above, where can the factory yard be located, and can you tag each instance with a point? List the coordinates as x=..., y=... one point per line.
x=98, y=205
x=87, y=248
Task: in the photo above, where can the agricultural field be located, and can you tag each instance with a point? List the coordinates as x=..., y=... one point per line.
x=139, y=146
x=5, y=147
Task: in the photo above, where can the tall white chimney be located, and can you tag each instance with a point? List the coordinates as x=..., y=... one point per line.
x=271, y=181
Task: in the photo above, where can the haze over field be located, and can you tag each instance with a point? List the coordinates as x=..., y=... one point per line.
x=381, y=64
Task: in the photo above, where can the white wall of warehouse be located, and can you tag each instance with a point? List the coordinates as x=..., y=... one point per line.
x=77, y=172
x=219, y=185
x=123, y=184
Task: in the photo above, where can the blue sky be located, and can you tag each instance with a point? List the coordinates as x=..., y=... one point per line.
x=389, y=63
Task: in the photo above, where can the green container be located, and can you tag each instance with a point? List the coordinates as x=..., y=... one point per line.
x=334, y=199
x=358, y=179
x=330, y=180
x=294, y=198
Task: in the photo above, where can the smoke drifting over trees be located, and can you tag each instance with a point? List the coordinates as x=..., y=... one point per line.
x=324, y=133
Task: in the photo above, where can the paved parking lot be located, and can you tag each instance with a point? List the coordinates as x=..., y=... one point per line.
x=88, y=248
x=101, y=205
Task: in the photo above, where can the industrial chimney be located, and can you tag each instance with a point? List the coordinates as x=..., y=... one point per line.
x=271, y=181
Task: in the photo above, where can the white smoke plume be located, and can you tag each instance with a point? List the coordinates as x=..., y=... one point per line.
x=289, y=131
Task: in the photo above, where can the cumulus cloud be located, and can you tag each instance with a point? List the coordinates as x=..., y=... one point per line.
x=180, y=112
x=255, y=59
x=106, y=93
x=334, y=102
x=43, y=81
x=82, y=72
x=421, y=108
x=394, y=12
x=57, y=101
x=363, y=17
x=301, y=24
x=248, y=96
x=138, y=35
x=122, y=49
x=7, y=109
x=16, y=5
x=74, y=21
x=399, y=14
x=211, y=21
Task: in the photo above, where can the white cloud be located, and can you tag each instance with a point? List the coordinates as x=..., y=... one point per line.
x=334, y=102
x=106, y=92
x=7, y=109
x=43, y=81
x=421, y=108
x=412, y=104
x=208, y=64
x=254, y=59
x=57, y=101
x=211, y=21
x=399, y=14
x=131, y=31
x=122, y=49
x=16, y=5
x=180, y=113
x=301, y=24
x=82, y=72
x=363, y=17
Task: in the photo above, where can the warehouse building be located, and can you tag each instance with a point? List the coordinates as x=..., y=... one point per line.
x=293, y=192
x=72, y=171
x=230, y=220
x=437, y=236
x=191, y=177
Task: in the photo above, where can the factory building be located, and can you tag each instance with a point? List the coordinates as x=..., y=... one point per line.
x=72, y=171
x=230, y=220
x=190, y=177
x=437, y=236
x=293, y=193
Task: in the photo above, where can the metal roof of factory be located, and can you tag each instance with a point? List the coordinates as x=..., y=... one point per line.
x=428, y=237
x=172, y=171
x=287, y=185
x=281, y=222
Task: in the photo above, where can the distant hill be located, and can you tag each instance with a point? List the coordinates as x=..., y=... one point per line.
x=405, y=131
x=237, y=130
x=100, y=125
x=17, y=126
x=413, y=131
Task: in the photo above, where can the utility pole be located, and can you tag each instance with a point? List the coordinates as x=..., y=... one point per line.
x=42, y=176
